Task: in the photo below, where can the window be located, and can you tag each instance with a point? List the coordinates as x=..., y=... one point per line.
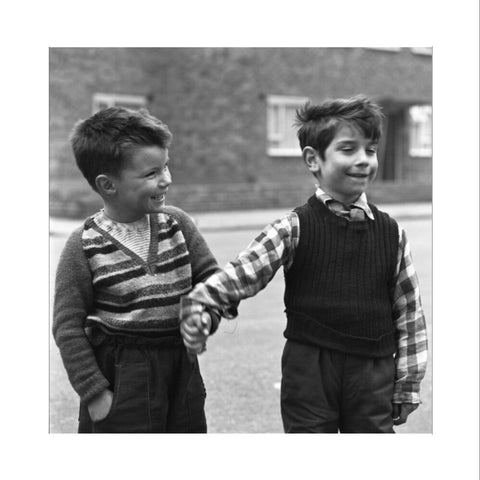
x=387, y=49
x=422, y=50
x=420, y=129
x=282, y=135
x=104, y=100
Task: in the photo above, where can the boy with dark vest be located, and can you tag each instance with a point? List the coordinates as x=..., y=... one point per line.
x=356, y=344
x=119, y=282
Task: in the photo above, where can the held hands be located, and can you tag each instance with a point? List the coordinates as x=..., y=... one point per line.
x=100, y=405
x=401, y=411
x=195, y=325
x=195, y=330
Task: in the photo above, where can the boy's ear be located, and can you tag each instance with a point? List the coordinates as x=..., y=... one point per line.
x=105, y=185
x=311, y=159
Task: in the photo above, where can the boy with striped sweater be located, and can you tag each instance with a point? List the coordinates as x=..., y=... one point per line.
x=356, y=346
x=119, y=281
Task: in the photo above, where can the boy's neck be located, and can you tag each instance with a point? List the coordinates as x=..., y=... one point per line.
x=119, y=216
x=338, y=198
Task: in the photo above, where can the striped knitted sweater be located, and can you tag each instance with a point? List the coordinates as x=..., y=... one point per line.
x=100, y=280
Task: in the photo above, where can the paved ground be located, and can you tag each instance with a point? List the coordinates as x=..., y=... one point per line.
x=242, y=366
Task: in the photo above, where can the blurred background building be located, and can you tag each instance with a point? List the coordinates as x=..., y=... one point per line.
x=231, y=112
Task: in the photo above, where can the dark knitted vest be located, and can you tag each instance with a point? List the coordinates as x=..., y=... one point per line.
x=338, y=289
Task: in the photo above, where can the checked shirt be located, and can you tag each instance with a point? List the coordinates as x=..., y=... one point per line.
x=275, y=247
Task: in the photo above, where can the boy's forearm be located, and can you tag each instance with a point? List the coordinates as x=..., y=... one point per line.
x=406, y=392
x=411, y=359
x=73, y=300
x=75, y=349
x=252, y=270
x=411, y=332
x=80, y=364
x=204, y=265
x=215, y=296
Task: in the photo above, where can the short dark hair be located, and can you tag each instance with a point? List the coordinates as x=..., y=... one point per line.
x=318, y=124
x=100, y=143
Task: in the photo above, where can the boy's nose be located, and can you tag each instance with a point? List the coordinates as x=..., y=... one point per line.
x=165, y=180
x=362, y=157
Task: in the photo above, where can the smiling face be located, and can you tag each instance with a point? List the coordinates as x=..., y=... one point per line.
x=349, y=166
x=141, y=186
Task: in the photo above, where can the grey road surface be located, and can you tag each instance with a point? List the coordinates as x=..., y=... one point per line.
x=241, y=367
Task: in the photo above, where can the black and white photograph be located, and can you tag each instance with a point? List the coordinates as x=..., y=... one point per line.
x=244, y=221
x=249, y=142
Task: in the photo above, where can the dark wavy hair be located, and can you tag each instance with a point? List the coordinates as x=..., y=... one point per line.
x=318, y=124
x=101, y=143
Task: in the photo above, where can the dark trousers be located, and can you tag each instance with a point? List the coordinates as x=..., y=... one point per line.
x=156, y=387
x=325, y=391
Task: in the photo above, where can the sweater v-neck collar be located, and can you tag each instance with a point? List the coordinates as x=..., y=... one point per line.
x=148, y=264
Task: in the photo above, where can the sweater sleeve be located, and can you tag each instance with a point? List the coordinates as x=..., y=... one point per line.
x=73, y=302
x=410, y=325
x=202, y=261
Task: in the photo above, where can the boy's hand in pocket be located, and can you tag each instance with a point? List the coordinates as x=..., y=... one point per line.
x=401, y=412
x=100, y=405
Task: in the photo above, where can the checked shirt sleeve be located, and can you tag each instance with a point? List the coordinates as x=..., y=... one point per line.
x=253, y=268
x=411, y=356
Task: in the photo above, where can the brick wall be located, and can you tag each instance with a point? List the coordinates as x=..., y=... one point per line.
x=214, y=101
x=78, y=200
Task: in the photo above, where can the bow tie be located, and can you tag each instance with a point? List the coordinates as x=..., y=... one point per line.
x=351, y=212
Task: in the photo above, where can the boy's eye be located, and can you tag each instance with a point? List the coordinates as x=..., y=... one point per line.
x=151, y=174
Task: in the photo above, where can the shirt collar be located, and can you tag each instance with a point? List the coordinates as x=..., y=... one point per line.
x=105, y=222
x=361, y=201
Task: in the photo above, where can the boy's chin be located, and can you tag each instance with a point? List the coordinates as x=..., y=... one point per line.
x=156, y=205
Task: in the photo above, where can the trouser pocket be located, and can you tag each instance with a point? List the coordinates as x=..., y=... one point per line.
x=130, y=412
x=127, y=370
x=188, y=412
x=156, y=388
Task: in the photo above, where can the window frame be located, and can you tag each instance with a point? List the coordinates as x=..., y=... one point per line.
x=419, y=151
x=272, y=135
x=114, y=99
x=385, y=49
x=428, y=51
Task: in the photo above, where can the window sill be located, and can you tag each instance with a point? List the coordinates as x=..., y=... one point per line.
x=284, y=152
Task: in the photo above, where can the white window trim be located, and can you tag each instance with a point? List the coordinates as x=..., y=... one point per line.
x=386, y=49
x=111, y=99
x=423, y=50
x=282, y=100
x=421, y=152
x=285, y=100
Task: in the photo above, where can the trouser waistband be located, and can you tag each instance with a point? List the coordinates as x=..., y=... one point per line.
x=99, y=334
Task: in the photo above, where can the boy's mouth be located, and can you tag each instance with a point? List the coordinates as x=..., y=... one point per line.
x=358, y=175
x=158, y=198
x=364, y=174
